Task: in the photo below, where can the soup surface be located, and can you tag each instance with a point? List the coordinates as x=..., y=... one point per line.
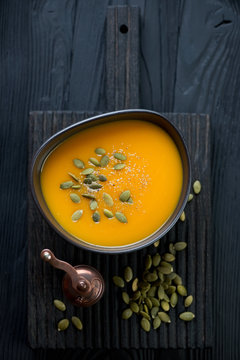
x=153, y=174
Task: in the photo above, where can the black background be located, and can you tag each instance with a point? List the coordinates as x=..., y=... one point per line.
x=52, y=58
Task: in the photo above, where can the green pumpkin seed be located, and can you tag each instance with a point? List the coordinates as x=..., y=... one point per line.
x=119, y=166
x=183, y=216
x=94, y=161
x=172, y=249
x=89, y=196
x=73, y=176
x=197, y=187
x=108, y=213
x=165, y=305
x=93, y=204
x=156, y=260
x=125, y=195
x=77, y=215
x=121, y=217
x=155, y=301
x=190, y=197
x=95, y=186
x=156, y=244
x=164, y=317
x=87, y=171
x=168, y=257
x=160, y=293
x=125, y=297
x=59, y=305
x=96, y=216
x=102, y=178
x=145, y=315
x=165, y=270
x=79, y=163
x=171, y=289
x=136, y=295
x=156, y=323
x=66, y=185
x=87, y=181
x=135, y=284
x=78, y=186
x=177, y=280
x=128, y=274
x=126, y=314
x=148, y=262
x=118, y=281
x=75, y=198
x=63, y=324
x=152, y=291
x=174, y=299
x=181, y=245
x=100, y=151
x=154, y=311
x=130, y=200
x=145, y=324
x=92, y=177
x=148, y=303
x=166, y=298
x=187, y=316
x=77, y=323
x=165, y=285
x=171, y=276
x=182, y=290
x=134, y=307
x=188, y=301
x=104, y=161
x=165, y=264
x=120, y=156
x=145, y=308
x=107, y=199
x=151, y=277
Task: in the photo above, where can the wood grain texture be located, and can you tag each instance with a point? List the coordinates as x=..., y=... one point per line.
x=104, y=327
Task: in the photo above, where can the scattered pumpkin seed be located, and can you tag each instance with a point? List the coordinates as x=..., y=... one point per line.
x=77, y=323
x=128, y=274
x=121, y=217
x=187, y=316
x=63, y=324
x=156, y=323
x=160, y=292
x=171, y=276
x=96, y=216
x=174, y=299
x=125, y=297
x=188, y=301
x=166, y=298
x=183, y=216
x=94, y=161
x=135, y=284
x=148, y=302
x=168, y=257
x=120, y=156
x=78, y=186
x=165, y=270
x=152, y=291
x=197, y=187
x=59, y=305
x=79, y=163
x=145, y=324
x=165, y=305
x=73, y=176
x=118, y=281
x=102, y=177
x=77, y=215
x=92, y=177
x=75, y=198
x=127, y=313
x=93, y=204
x=89, y=196
x=164, y=317
x=190, y=197
x=104, y=161
x=87, y=181
x=171, y=289
x=119, y=166
x=87, y=171
x=182, y=290
x=172, y=249
x=148, y=262
x=156, y=244
x=156, y=259
x=154, y=311
x=107, y=199
x=134, y=307
x=108, y=213
x=145, y=315
x=125, y=195
x=66, y=185
x=177, y=280
x=130, y=200
x=100, y=151
x=136, y=295
x=151, y=277
x=181, y=245
x=155, y=301
x=95, y=186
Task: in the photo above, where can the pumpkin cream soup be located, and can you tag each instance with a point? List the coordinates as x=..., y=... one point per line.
x=113, y=184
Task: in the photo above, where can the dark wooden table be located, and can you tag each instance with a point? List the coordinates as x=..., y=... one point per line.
x=52, y=58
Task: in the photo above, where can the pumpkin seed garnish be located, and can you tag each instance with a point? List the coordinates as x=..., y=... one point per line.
x=187, y=316
x=107, y=199
x=154, y=311
x=88, y=171
x=79, y=163
x=152, y=291
x=92, y=177
x=77, y=323
x=165, y=305
x=156, y=244
x=172, y=249
x=77, y=215
x=155, y=301
x=135, y=284
x=190, y=197
x=128, y=274
x=134, y=307
x=182, y=290
x=88, y=196
x=151, y=277
x=96, y=216
x=125, y=297
x=181, y=245
x=136, y=295
x=94, y=161
x=93, y=204
x=182, y=216
x=104, y=161
x=87, y=181
x=78, y=186
x=165, y=270
x=127, y=313
x=108, y=213
x=145, y=324
x=156, y=259
x=100, y=151
x=121, y=217
x=63, y=324
x=168, y=257
x=102, y=177
x=75, y=198
x=66, y=185
x=148, y=262
x=160, y=292
x=119, y=166
x=145, y=315
x=164, y=317
x=118, y=281
x=197, y=187
x=188, y=301
x=73, y=176
x=59, y=305
x=156, y=323
x=171, y=289
x=120, y=156
x=130, y=200
x=174, y=299
x=148, y=302
x=125, y=195
x=177, y=280
x=95, y=186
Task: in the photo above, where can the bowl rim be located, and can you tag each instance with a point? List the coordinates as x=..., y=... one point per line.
x=80, y=243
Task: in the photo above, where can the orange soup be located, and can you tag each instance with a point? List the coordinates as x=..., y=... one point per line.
x=145, y=185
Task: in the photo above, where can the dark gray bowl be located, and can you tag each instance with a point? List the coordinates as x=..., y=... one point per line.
x=122, y=115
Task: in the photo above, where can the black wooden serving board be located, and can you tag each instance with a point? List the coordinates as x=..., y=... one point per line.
x=103, y=326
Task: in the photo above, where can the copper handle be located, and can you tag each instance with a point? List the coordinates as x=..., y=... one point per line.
x=80, y=284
